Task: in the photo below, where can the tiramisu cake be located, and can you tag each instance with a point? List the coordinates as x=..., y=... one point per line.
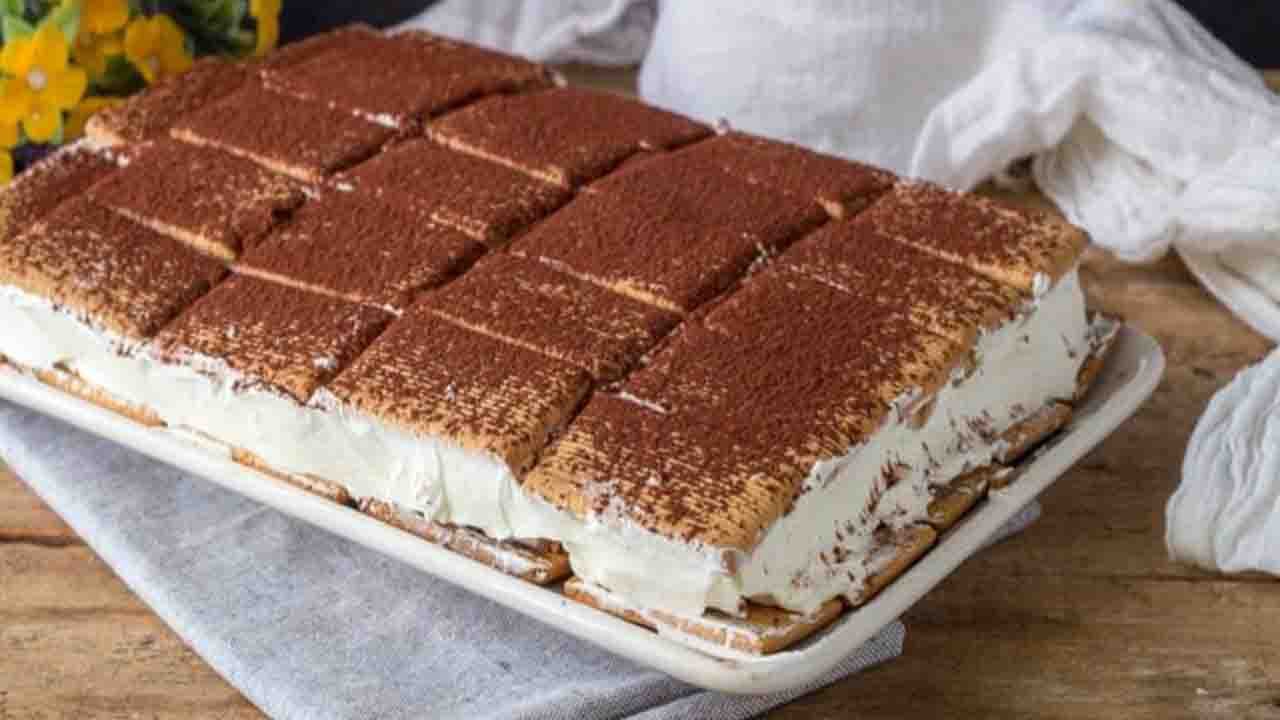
x=733, y=386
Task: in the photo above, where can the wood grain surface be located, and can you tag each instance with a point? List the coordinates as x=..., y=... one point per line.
x=1082, y=616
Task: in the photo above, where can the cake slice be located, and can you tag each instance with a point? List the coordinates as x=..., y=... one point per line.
x=673, y=236
x=85, y=289
x=257, y=335
x=1027, y=250
x=693, y=189
x=300, y=138
x=566, y=136
x=526, y=303
x=67, y=172
x=672, y=263
x=400, y=80
x=349, y=39
x=449, y=418
x=842, y=187
x=211, y=200
x=149, y=115
x=235, y=369
x=482, y=199
x=738, y=429
x=940, y=296
x=356, y=247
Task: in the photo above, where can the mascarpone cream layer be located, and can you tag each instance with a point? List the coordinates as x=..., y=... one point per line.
x=817, y=551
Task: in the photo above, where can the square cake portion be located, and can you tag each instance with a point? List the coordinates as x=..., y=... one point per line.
x=789, y=388
x=270, y=336
x=149, y=115
x=842, y=187
x=354, y=246
x=305, y=139
x=399, y=80
x=671, y=234
x=485, y=200
x=432, y=378
x=350, y=39
x=785, y=373
x=567, y=136
x=940, y=296
x=1008, y=245
x=69, y=171
x=106, y=270
x=692, y=189
x=215, y=202
x=526, y=303
x=800, y=352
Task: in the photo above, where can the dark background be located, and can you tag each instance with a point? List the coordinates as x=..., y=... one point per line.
x=1250, y=27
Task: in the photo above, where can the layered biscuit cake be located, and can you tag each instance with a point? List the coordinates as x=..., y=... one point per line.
x=732, y=385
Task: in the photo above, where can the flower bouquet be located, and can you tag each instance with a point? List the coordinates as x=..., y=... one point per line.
x=63, y=60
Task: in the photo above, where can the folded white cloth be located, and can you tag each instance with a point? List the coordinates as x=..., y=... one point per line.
x=1144, y=129
x=1226, y=513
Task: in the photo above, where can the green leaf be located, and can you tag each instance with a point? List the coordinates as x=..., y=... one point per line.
x=67, y=18
x=120, y=78
x=57, y=136
x=16, y=8
x=237, y=10
x=15, y=28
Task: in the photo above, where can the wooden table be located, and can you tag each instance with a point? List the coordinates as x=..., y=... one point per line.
x=1082, y=616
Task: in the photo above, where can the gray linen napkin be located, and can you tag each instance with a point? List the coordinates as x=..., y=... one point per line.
x=309, y=625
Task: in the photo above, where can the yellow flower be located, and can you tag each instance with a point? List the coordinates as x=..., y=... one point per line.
x=8, y=139
x=157, y=47
x=267, y=14
x=41, y=84
x=103, y=16
x=268, y=35
x=93, y=52
x=81, y=113
x=265, y=8
x=8, y=135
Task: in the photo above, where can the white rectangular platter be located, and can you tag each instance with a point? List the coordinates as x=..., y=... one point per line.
x=1131, y=373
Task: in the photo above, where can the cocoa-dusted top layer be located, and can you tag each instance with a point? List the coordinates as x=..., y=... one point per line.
x=105, y=268
x=275, y=336
x=842, y=187
x=619, y=462
x=216, y=202
x=485, y=200
x=527, y=303
x=938, y=295
x=35, y=193
x=566, y=136
x=694, y=190
x=401, y=79
x=350, y=39
x=1006, y=244
x=712, y=440
x=357, y=247
x=305, y=139
x=671, y=262
x=434, y=378
x=149, y=115
x=787, y=344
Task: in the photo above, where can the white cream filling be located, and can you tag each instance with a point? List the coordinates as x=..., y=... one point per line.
x=819, y=549
x=1021, y=367
x=432, y=476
